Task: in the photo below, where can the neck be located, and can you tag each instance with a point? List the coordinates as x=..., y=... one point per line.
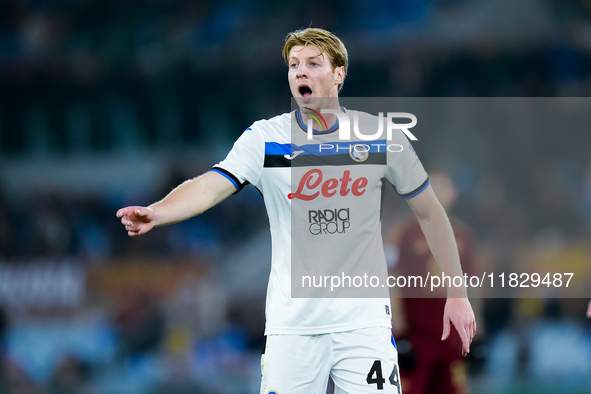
x=318, y=105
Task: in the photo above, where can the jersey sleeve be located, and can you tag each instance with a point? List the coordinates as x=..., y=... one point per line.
x=405, y=170
x=244, y=162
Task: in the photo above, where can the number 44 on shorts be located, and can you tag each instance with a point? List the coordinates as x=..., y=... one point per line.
x=374, y=376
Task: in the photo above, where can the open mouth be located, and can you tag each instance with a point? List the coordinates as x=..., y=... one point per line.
x=305, y=91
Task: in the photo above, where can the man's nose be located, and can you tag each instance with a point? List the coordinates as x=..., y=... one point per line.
x=302, y=71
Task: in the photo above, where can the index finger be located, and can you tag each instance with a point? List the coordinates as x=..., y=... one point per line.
x=466, y=340
x=124, y=211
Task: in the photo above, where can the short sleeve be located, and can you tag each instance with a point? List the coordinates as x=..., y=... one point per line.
x=405, y=171
x=244, y=162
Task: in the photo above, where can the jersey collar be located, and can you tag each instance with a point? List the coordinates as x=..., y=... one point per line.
x=304, y=127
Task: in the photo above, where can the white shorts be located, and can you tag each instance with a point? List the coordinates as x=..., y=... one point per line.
x=359, y=361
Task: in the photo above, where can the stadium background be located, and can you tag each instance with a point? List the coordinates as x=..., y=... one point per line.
x=109, y=103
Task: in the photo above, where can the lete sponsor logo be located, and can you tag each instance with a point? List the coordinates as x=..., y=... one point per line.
x=313, y=184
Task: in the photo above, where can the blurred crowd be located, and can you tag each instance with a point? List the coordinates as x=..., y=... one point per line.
x=172, y=81
x=112, y=75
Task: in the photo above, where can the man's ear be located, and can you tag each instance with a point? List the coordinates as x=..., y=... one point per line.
x=340, y=74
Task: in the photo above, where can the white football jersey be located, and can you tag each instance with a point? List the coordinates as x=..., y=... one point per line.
x=323, y=198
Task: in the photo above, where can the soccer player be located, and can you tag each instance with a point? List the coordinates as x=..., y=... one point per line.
x=433, y=365
x=310, y=339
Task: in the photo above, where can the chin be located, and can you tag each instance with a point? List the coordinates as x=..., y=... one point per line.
x=305, y=102
x=311, y=102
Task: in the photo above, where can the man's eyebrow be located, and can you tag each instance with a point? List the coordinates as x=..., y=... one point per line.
x=321, y=55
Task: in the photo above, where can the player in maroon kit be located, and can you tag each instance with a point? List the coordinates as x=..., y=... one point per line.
x=434, y=364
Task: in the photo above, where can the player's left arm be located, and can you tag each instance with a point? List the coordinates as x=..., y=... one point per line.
x=439, y=234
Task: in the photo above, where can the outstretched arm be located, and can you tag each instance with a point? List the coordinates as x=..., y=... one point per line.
x=439, y=234
x=189, y=199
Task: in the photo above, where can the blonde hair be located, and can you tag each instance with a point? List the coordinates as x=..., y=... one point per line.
x=322, y=39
